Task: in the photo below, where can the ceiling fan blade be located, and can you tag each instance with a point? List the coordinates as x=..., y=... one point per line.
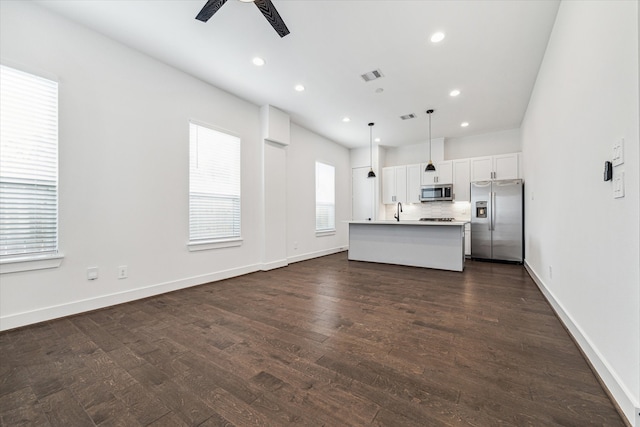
x=209, y=9
x=269, y=11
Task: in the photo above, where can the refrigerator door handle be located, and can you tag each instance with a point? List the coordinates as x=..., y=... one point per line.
x=493, y=210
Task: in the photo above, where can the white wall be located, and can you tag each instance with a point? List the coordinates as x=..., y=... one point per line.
x=415, y=153
x=487, y=144
x=582, y=245
x=306, y=148
x=124, y=171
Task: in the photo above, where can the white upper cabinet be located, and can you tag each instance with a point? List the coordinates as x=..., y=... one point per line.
x=481, y=168
x=503, y=166
x=461, y=180
x=442, y=175
x=394, y=184
x=506, y=166
x=413, y=183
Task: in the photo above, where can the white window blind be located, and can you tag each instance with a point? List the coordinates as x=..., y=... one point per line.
x=325, y=197
x=28, y=164
x=214, y=185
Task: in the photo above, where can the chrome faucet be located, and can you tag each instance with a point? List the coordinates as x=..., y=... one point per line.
x=398, y=210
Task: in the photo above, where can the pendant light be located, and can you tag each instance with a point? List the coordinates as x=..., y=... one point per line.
x=371, y=172
x=430, y=167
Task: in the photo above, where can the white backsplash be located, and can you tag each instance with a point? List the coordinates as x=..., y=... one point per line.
x=457, y=210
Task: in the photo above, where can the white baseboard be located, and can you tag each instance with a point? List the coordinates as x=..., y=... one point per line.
x=317, y=254
x=608, y=376
x=49, y=313
x=266, y=266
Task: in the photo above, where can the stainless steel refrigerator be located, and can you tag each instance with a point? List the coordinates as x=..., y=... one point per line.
x=497, y=220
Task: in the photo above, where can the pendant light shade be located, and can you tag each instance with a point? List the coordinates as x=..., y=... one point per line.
x=371, y=174
x=430, y=167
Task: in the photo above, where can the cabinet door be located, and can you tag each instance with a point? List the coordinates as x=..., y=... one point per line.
x=481, y=168
x=388, y=185
x=427, y=178
x=413, y=183
x=467, y=239
x=505, y=166
x=401, y=184
x=444, y=171
x=461, y=180
x=394, y=184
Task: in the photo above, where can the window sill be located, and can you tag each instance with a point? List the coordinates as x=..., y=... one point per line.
x=325, y=233
x=214, y=244
x=17, y=264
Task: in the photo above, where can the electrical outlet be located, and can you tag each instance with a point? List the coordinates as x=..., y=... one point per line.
x=618, y=185
x=550, y=272
x=618, y=152
x=295, y=246
x=122, y=272
x=92, y=273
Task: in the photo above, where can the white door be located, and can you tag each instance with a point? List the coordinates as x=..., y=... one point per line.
x=362, y=194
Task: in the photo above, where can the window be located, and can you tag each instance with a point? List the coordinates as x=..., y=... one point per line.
x=325, y=198
x=28, y=166
x=214, y=186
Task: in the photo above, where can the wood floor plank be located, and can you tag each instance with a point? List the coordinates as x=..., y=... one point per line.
x=321, y=342
x=63, y=410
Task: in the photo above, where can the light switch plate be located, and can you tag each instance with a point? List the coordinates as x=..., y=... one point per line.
x=618, y=185
x=618, y=152
x=92, y=273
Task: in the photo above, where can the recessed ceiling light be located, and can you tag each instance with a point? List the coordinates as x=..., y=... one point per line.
x=377, y=140
x=437, y=37
x=299, y=88
x=346, y=119
x=464, y=124
x=454, y=92
x=258, y=62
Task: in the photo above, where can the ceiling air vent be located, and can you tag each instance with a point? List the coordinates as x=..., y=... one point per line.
x=371, y=75
x=408, y=116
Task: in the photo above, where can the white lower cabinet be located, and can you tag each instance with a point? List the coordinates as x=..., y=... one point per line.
x=394, y=184
x=467, y=240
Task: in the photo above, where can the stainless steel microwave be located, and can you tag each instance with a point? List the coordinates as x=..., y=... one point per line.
x=436, y=193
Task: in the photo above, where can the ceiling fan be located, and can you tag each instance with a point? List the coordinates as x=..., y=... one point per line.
x=266, y=7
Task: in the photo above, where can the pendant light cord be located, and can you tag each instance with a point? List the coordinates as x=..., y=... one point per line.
x=371, y=173
x=430, y=167
x=430, y=136
x=371, y=146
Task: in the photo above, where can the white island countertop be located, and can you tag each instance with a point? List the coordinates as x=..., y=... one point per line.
x=409, y=222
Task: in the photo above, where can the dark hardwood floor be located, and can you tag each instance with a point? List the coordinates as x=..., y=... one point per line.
x=321, y=342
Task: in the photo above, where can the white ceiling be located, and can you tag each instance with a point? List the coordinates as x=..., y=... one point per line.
x=491, y=53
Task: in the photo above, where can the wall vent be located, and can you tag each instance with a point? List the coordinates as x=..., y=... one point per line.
x=408, y=116
x=371, y=75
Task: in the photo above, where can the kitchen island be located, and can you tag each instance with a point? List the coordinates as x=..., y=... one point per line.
x=437, y=245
